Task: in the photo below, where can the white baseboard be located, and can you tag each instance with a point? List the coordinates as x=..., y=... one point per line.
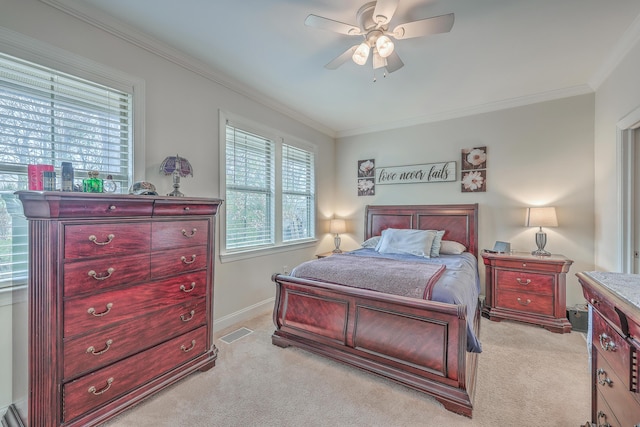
x=243, y=315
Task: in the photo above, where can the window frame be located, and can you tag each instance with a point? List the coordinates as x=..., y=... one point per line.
x=41, y=53
x=279, y=138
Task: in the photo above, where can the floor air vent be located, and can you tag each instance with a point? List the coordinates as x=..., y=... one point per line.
x=236, y=335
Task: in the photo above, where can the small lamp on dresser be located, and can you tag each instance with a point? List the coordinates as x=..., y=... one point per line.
x=541, y=217
x=336, y=227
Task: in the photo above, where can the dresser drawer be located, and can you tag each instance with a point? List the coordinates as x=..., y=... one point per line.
x=523, y=301
x=95, y=350
x=96, y=240
x=174, y=234
x=104, y=273
x=603, y=414
x=98, y=205
x=171, y=208
x=91, y=391
x=525, y=281
x=612, y=347
x=613, y=389
x=175, y=261
x=84, y=314
x=603, y=305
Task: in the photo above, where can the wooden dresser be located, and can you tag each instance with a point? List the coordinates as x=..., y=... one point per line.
x=527, y=288
x=120, y=301
x=614, y=303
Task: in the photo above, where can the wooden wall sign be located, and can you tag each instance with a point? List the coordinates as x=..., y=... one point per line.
x=430, y=172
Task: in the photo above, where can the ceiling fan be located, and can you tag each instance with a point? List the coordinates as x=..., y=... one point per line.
x=373, y=24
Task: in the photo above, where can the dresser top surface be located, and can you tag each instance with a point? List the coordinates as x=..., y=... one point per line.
x=625, y=286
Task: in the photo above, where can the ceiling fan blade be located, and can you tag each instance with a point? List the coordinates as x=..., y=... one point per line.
x=424, y=27
x=316, y=21
x=344, y=57
x=384, y=11
x=394, y=63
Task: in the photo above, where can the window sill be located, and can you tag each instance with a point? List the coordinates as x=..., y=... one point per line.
x=253, y=253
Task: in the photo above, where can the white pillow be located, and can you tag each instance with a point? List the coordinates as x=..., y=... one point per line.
x=371, y=243
x=404, y=241
x=449, y=247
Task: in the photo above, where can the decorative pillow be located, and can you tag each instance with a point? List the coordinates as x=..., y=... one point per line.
x=449, y=247
x=404, y=241
x=371, y=243
x=437, y=241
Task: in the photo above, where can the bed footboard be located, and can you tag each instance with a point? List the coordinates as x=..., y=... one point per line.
x=421, y=344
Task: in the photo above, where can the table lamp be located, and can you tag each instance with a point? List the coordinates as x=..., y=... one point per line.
x=541, y=217
x=177, y=167
x=337, y=227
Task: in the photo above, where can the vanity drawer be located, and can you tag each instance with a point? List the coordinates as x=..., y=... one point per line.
x=523, y=301
x=175, y=261
x=103, y=273
x=612, y=347
x=85, y=353
x=525, y=281
x=178, y=234
x=95, y=240
x=92, y=390
x=615, y=392
x=84, y=314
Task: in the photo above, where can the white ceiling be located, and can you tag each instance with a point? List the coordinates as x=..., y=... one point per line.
x=499, y=53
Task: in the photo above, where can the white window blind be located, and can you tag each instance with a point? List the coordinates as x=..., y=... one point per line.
x=269, y=191
x=49, y=117
x=250, y=192
x=298, y=194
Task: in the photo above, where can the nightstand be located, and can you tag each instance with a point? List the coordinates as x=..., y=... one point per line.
x=527, y=288
x=324, y=255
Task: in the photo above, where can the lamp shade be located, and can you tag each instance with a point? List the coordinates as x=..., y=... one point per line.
x=337, y=226
x=542, y=217
x=361, y=54
x=176, y=163
x=385, y=46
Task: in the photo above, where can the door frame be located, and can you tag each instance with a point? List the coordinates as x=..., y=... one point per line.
x=626, y=149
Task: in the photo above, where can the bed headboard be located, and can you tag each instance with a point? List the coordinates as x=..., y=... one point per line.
x=460, y=222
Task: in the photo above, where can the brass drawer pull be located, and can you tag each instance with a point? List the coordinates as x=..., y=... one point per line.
x=602, y=377
x=96, y=276
x=186, y=208
x=186, y=319
x=523, y=282
x=93, y=351
x=183, y=288
x=92, y=311
x=602, y=415
x=112, y=207
x=524, y=303
x=94, y=239
x=607, y=346
x=193, y=232
x=187, y=350
x=95, y=392
x=184, y=259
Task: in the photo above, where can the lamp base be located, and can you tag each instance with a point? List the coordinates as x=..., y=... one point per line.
x=540, y=252
x=336, y=241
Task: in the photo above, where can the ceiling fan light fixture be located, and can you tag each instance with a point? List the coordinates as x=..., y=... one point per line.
x=385, y=46
x=361, y=54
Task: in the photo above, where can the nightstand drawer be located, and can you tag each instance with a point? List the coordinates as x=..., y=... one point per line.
x=523, y=301
x=524, y=281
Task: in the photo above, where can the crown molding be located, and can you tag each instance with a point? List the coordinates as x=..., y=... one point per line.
x=125, y=32
x=472, y=111
x=628, y=41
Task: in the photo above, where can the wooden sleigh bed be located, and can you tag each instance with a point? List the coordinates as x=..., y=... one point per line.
x=419, y=343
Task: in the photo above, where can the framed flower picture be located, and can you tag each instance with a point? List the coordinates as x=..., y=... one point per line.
x=474, y=170
x=366, y=177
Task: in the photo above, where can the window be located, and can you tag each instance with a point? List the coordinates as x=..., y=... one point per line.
x=49, y=117
x=269, y=190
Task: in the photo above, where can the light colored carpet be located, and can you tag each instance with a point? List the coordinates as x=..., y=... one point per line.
x=527, y=376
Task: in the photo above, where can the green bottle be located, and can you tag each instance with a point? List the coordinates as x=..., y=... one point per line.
x=93, y=184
